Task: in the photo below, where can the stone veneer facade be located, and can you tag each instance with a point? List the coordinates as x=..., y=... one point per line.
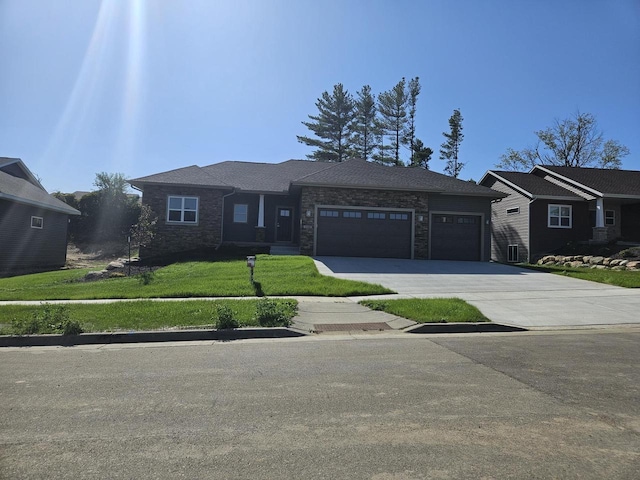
x=171, y=238
x=312, y=196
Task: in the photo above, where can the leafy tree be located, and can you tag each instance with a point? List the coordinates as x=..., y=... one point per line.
x=421, y=155
x=142, y=233
x=573, y=142
x=365, y=138
x=412, y=101
x=392, y=106
x=450, y=149
x=332, y=127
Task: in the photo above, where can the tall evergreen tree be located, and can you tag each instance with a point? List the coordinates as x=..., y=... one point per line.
x=333, y=126
x=365, y=138
x=412, y=101
x=450, y=149
x=421, y=155
x=392, y=106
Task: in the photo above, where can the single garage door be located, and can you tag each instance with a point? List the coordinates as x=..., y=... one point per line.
x=357, y=232
x=455, y=237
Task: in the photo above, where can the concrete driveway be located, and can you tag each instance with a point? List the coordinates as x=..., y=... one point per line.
x=505, y=294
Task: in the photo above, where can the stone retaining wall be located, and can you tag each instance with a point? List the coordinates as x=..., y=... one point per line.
x=589, y=261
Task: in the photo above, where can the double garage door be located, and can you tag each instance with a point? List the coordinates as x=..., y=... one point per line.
x=358, y=232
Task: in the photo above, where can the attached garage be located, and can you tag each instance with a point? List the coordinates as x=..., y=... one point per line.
x=456, y=237
x=364, y=232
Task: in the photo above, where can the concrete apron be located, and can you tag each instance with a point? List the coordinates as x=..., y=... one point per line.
x=345, y=316
x=506, y=295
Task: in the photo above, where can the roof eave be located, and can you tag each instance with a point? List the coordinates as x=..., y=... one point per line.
x=32, y=203
x=517, y=188
x=572, y=182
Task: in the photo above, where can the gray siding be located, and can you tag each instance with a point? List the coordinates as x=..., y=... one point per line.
x=26, y=248
x=509, y=229
x=466, y=204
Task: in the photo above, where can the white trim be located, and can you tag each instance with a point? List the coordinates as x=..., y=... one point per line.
x=39, y=227
x=560, y=216
x=260, y=211
x=575, y=183
x=182, y=210
x=613, y=217
x=246, y=213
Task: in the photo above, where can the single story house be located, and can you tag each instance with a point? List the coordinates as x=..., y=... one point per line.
x=33, y=224
x=351, y=208
x=551, y=206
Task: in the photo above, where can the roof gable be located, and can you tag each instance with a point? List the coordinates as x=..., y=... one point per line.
x=21, y=188
x=530, y=186
x=599, y=181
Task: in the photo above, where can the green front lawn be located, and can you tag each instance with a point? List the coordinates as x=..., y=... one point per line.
x=139, y=315
x=619, y=278
x=273, y=276
x=429, y=310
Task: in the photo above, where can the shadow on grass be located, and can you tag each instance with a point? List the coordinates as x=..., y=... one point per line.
x=257, y=288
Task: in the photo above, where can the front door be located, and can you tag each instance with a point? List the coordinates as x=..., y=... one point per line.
x=284, y=224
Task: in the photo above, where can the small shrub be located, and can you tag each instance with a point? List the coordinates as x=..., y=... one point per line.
x=145, y=277
x=49, y=319
x=225, y=317
x=272, y=313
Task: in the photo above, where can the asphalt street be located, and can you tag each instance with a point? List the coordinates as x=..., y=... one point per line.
x=379, y=406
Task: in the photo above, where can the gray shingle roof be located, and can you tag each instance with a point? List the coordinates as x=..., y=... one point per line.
x=192, y=175
x=604, y=181
x=278, y=177
x=358, y=173
x=20, y=190
x=263, y=177
x=533, y=185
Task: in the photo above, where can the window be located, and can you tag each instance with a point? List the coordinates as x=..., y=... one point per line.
x=284, y=212
x=610, y=217
x=513, y=211
x=376, y=215
x=559, y=216
x=512, y=253
x=240, y=213
x=398, y=216
x=37, y=222
x=352, y=214
x=182, y=210
x=442, y=219
x=329, y=213
x=467, y=220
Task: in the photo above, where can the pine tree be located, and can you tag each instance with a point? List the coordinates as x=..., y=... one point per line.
x=333, y=126
x=421, y=155
x=412, y=101
x=450, y=149
x=365, y=138
x=392, y=106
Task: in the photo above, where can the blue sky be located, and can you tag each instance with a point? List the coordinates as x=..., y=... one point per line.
x=140, y=87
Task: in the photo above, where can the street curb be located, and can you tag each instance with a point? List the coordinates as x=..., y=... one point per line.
x=483, y=327
x=142, y=337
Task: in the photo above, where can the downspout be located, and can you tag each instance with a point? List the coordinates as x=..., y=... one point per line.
x=529, y=230
x=222, y=218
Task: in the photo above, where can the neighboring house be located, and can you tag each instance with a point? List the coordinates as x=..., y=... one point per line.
x=551, y=206
x=351, y=208
x=33, y=224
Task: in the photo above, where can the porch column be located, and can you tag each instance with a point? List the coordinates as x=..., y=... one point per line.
x=261, y=212
x=599, y=213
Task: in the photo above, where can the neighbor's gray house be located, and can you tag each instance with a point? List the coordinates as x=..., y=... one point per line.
x=33, y=224
x=551, y=206
x=351, y=208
